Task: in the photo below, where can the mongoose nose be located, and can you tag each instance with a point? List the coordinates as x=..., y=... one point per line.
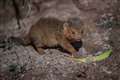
x=78, y=38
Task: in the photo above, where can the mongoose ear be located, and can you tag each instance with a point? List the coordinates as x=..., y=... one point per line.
x=65, y=26
x=66, y=29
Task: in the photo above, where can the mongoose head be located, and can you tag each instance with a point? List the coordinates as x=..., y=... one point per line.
x=73, y=29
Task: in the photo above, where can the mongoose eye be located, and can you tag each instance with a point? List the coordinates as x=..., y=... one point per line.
x=82, y=31
x=73, y=32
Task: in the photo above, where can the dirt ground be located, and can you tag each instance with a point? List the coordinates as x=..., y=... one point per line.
x=19, y=62
x=54, y=66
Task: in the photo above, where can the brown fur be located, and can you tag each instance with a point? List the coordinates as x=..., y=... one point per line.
x=51, y=32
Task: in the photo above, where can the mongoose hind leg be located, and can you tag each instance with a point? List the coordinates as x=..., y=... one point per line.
x=40, y=50
x=37, y=44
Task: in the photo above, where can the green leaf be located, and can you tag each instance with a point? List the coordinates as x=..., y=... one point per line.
x=89, y=59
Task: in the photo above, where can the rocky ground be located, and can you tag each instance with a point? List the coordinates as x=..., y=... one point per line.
x=18, y=62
